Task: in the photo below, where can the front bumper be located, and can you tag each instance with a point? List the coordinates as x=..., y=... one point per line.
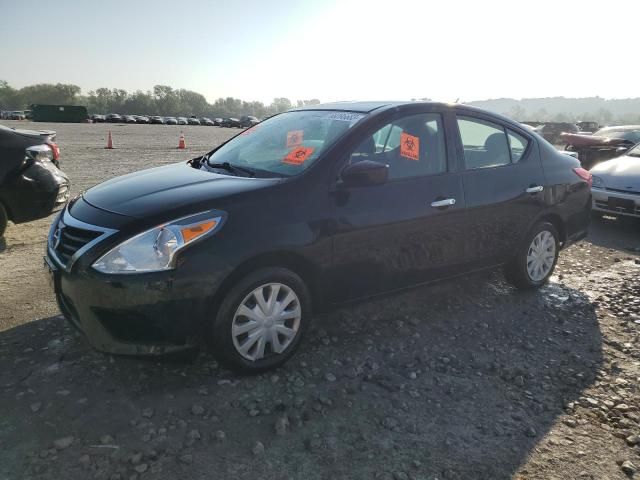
x=616, y=202
x=142, y=315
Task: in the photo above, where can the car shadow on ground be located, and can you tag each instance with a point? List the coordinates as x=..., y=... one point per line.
x=3, y=245
x=457, y=380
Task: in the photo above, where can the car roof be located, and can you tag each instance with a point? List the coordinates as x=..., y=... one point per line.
x=363, y=107
x=368, y=107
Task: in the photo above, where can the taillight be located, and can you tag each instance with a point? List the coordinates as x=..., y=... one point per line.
x=55, y=149
x=584, y=174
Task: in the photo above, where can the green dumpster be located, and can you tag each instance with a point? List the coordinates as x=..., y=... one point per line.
x=59, y=113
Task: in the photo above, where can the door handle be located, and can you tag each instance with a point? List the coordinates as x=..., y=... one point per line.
x=447, y=202
x=536, y=189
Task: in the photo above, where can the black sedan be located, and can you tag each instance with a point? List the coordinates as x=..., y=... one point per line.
x=311, y=208
x=248, y=121
x=156, y=119
x=113, y=118
x=231, y=123
x=31, y=184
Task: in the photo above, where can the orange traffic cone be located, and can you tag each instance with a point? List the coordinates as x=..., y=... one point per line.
x=181, y=144
x=109, y=142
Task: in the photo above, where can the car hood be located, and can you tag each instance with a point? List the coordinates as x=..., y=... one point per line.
x=621, y=173
x=168, y=188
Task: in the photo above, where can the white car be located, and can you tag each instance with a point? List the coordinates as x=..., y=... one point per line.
x=616, y=185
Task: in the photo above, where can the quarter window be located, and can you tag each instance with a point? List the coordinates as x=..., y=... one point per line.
x=412, y=146
x=518, y=145
x=485, y=144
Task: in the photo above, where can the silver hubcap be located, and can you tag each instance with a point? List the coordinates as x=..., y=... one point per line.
x=266, y=322
x=541, y=255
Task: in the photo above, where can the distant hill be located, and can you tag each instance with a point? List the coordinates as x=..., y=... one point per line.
x=625, y=110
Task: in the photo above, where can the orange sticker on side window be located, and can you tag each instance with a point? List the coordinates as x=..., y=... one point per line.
x=409, y=146
x=294, y=138
x=298, y=155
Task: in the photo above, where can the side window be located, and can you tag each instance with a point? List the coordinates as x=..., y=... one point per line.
x=485, y=143
x=412, y=146
x=518, y=144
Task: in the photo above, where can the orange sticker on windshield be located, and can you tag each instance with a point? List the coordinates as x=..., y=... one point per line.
x=297, y=156
x=409, y=146
x=294, y=138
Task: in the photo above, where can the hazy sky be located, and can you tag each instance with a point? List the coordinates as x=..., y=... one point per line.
x=329, y=49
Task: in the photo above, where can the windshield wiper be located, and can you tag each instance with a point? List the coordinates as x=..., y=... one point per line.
x=232, y=168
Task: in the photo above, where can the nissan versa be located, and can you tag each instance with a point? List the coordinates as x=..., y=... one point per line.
x=312, y=207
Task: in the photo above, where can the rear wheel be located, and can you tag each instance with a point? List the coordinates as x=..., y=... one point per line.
x=3, y=220
x=261, y=321
x=536, y=257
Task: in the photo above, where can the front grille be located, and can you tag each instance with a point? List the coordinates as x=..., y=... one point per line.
x=72, y=239
x=618, y=205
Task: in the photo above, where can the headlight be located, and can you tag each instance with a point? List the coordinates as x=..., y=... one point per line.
x=598, y=182
x=155, y=249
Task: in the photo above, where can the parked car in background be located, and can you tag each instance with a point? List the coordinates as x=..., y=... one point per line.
x=97, y=118
x=17, y=115
x=156, y=119
x=231, y=122
x=206, y=121
x=193, y=121
x=363, y=199
x=606, y=143
x=616, y=185
x=113, y=118
x=129, y=119
x=31, y=183
x=218, y=121
x=551, y=131
x=248, y=121
x=142, y=119
x=587, y=127
x=183, y=121
x=171, y=121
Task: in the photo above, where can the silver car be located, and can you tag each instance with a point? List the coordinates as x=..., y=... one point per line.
x=616, y=185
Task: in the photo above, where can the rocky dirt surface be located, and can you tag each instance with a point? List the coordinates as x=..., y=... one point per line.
x=467, y=379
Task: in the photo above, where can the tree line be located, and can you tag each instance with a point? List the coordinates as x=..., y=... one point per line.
x=624, y=111
x=162, y=100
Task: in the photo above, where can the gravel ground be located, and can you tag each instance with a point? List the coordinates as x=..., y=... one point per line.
x=465, y=379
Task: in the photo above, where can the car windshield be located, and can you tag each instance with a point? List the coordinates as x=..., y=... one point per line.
x=287, y=144
x=631, y=135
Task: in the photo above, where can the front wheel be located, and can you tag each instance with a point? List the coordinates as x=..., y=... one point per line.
x=261, y=321
x=536, y=257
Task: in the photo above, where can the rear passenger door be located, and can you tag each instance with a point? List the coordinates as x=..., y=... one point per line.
x=503, y=184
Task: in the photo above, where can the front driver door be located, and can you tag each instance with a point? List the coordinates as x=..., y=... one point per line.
x=408, y=230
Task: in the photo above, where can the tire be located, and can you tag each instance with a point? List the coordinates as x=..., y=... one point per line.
x=517, y=271
x=227, y=346
x=3, y=220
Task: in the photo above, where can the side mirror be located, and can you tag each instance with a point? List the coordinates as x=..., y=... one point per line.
x=365, y=174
